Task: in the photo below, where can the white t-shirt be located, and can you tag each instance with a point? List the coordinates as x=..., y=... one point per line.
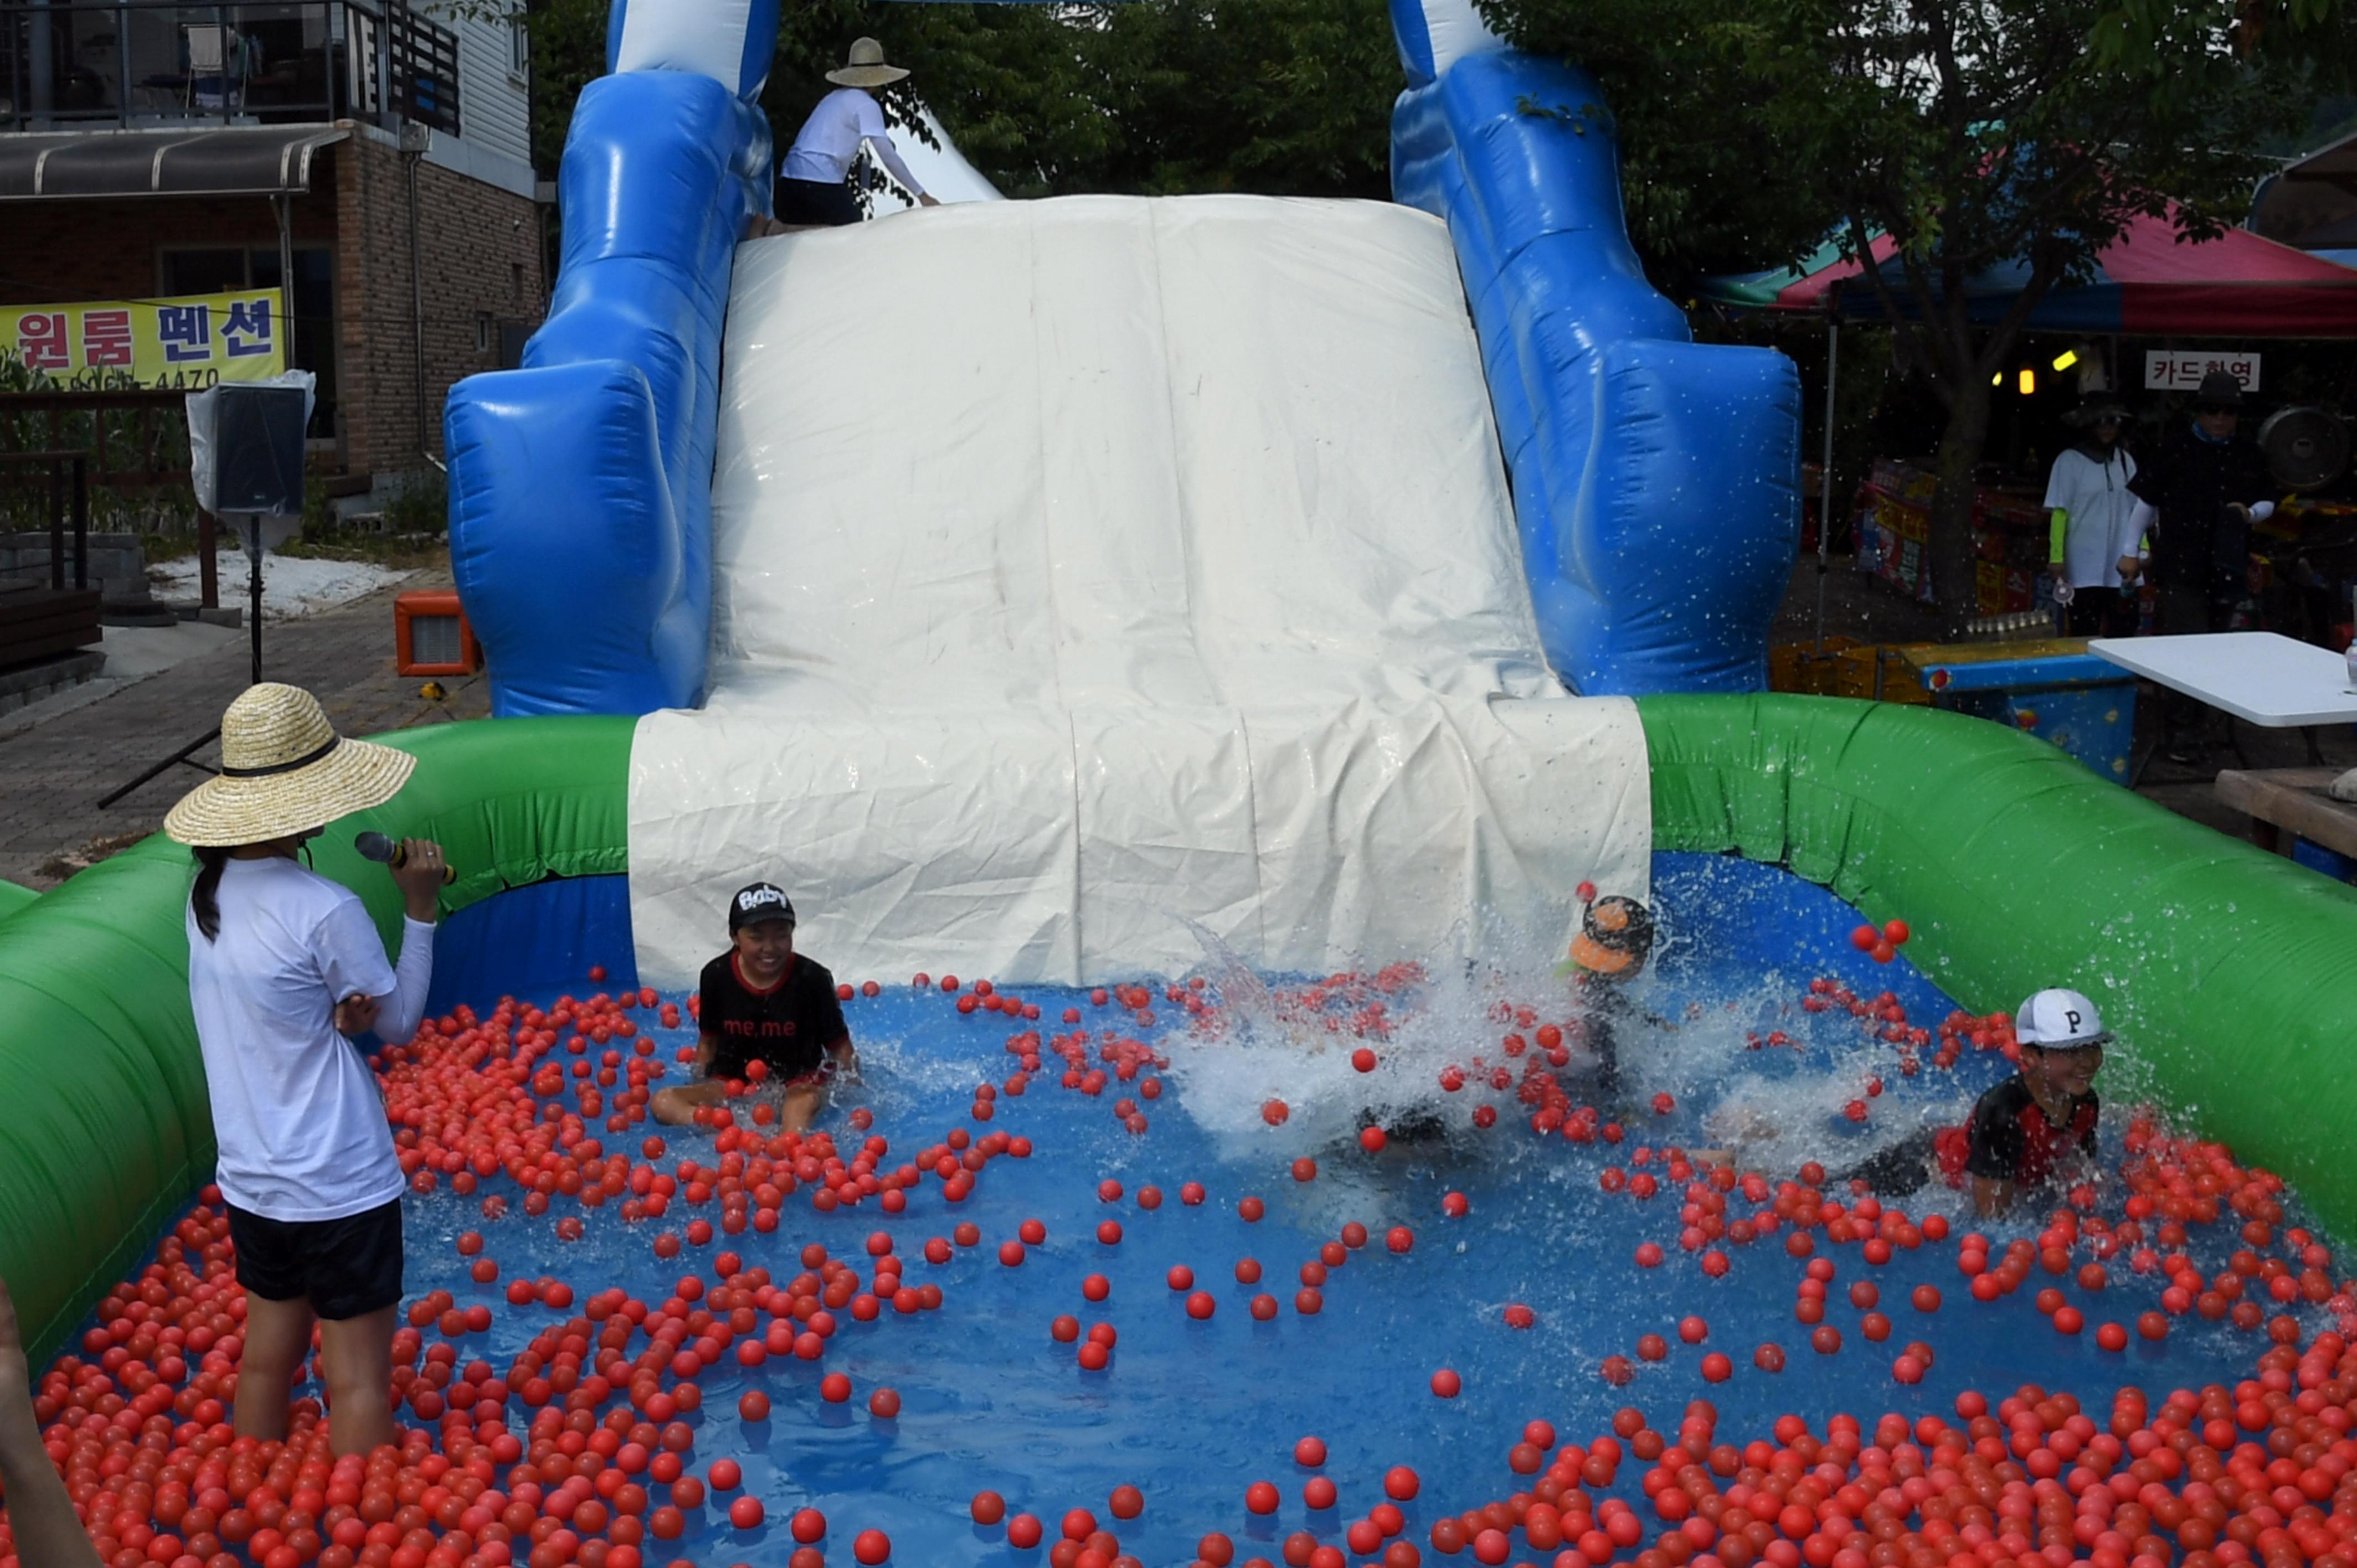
x=2102, y=528
x=296, y=1112
x=831, y=138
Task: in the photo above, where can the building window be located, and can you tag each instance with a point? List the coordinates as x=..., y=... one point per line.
x=482, y=332
x=516, y=279
x=519, y=47
x=208, y=271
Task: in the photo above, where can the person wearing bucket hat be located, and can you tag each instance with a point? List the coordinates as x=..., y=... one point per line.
x=2204, y=489
x=2094, y=551
x=284, y=965
x=813, y=189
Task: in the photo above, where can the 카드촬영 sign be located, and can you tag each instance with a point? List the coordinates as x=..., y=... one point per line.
x=2181, y=370
x=178, y=345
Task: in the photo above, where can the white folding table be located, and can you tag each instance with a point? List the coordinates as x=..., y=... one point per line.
x=2260, y=677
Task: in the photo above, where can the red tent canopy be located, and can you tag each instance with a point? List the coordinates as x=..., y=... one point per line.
x=2148, y=282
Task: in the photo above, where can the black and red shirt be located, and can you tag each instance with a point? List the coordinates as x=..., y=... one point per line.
x=2011, y=1138
x=790, y=1026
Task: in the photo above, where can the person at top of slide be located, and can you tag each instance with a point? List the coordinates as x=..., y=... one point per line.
x=762, y=1003
x=2095, y=542
x=283, y=967
x=812, y=183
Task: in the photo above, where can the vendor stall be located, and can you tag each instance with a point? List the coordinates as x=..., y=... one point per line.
x=2148, y=282
x=2009, y=539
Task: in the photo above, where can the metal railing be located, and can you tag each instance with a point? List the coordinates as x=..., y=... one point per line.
x=66, y=501
x=85, y=64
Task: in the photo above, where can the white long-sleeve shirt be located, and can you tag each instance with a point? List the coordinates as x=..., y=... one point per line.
x=831, y=138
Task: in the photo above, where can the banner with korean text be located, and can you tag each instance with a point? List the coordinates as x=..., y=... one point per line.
x=184, y=344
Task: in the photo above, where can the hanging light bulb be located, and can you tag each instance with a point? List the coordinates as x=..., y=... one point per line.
x=2028, y=380
x=2066, y=359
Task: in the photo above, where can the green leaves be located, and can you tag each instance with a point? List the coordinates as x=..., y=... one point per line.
x=1278, y=97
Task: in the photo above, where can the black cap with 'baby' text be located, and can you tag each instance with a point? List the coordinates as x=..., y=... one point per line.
x=758, y=902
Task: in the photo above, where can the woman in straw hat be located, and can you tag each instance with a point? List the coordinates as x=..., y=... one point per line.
x=283, y=963
x=812, y=185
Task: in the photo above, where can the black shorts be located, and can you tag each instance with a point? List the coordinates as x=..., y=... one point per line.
x=345, y=1268
x=804, y=203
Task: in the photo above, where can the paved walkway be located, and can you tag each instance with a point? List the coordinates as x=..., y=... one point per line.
x=52, y=775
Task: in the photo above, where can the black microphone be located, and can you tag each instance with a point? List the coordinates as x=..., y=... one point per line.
x=375, y=846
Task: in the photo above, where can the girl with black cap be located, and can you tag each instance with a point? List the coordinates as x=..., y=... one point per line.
x=765, y=1015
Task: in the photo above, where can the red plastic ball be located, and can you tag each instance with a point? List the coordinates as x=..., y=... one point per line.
x=871, y=1547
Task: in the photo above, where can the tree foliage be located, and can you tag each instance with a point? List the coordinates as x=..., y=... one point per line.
x=1277, y=97
x=1706, y=185
x=1976, y=134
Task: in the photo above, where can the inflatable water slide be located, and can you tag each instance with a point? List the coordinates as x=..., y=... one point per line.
x=1052, y=588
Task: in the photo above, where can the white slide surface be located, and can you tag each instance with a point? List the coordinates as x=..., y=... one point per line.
x=1087, y=568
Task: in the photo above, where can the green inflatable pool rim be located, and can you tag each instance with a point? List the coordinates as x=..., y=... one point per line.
x=2226, y=967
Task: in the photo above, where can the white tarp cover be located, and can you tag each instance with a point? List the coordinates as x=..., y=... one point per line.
x=1085, y=565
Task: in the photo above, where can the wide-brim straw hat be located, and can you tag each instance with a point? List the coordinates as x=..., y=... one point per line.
x=866, y=67
x=284, y=770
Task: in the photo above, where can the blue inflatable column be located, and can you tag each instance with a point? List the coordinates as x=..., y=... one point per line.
x=581, y=485
x=1655, y=480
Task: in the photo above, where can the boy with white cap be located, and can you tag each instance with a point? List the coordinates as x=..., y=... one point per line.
x=2029, y=1130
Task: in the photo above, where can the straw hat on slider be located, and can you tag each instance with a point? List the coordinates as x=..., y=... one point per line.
x=284, y=770
x=866, y=67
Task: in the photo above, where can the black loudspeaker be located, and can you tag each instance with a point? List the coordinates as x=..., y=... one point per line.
x=258, y=449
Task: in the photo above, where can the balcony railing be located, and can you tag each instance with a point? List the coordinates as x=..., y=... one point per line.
x=82, y=65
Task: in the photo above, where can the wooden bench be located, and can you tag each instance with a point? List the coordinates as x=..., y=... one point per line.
x=2293, y=801
x=41, y=623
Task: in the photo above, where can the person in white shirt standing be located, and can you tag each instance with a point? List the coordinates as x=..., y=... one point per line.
x=284, y=966
x=813, y=186
x=2095, y=550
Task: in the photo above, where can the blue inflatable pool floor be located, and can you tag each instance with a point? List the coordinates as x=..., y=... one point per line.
x=1190, y=1412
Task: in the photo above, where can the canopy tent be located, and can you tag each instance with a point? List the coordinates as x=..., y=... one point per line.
x=2148, y=282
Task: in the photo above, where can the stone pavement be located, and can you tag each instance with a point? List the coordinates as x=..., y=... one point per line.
x=52, y=775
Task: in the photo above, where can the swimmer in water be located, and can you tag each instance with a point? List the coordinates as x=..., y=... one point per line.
x=1616, y=937
x=2038, y=1127
x=2035, y=1130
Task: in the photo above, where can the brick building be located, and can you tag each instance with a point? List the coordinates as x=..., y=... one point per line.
x=152, y=151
